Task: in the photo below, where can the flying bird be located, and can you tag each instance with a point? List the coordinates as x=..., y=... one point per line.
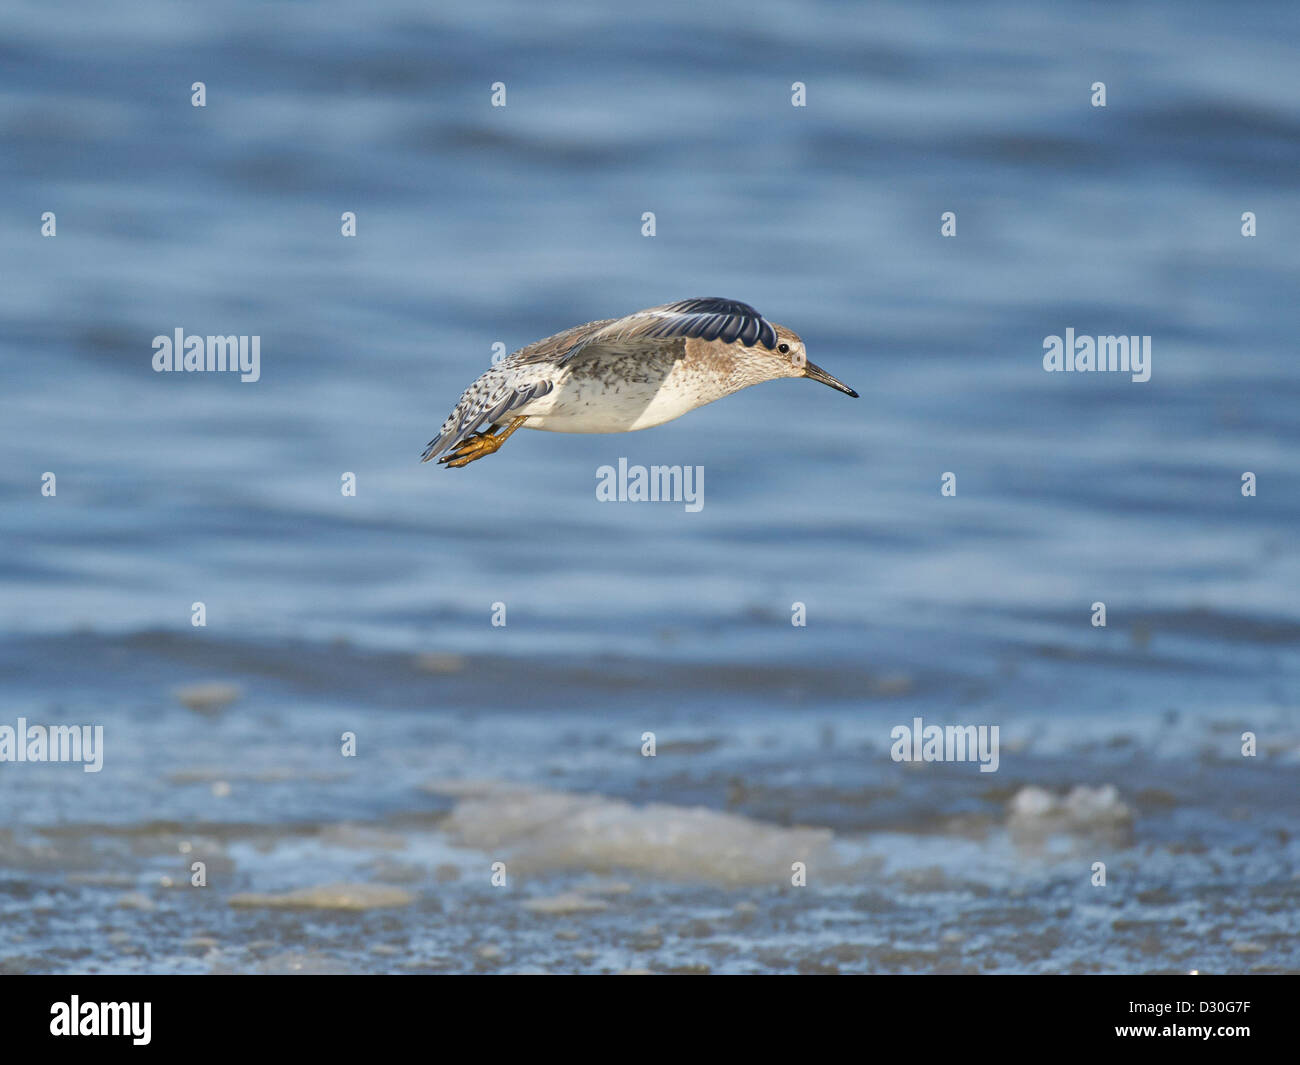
x=621, y=374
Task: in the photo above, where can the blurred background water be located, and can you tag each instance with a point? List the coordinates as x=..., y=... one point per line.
x=372, y=614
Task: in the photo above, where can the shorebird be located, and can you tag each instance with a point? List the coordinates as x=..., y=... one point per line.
x=621, y=374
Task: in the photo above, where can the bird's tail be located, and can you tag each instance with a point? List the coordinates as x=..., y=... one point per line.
x=437, y=446
x=476, y=409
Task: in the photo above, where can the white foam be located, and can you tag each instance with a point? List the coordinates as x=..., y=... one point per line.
x=540, y=830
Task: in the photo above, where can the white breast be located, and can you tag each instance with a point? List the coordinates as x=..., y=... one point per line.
x=613, y=403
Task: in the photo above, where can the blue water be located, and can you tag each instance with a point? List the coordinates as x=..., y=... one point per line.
x=479, y=225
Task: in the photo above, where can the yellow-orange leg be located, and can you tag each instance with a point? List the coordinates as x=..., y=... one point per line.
x=480, y=444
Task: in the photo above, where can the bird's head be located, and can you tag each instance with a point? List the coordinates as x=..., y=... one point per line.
x=788, y=359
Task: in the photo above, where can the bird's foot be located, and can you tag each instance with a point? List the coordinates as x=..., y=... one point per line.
x=471, y=448
x=480, y=444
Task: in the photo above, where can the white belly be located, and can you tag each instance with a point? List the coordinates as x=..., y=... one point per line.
x=603, y=405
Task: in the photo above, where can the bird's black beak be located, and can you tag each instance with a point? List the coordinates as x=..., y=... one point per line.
x=818, y=374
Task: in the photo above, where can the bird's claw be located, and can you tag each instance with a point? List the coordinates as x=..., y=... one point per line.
x=469, y=449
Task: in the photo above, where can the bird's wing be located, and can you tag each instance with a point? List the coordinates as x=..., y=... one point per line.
x=707, y=318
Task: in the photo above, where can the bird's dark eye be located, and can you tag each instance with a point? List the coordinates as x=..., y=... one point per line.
x=783, y=348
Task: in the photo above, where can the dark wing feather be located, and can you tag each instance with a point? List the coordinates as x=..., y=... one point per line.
x=708, y=318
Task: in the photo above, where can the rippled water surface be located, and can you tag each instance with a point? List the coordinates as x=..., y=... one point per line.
x=522, y=744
